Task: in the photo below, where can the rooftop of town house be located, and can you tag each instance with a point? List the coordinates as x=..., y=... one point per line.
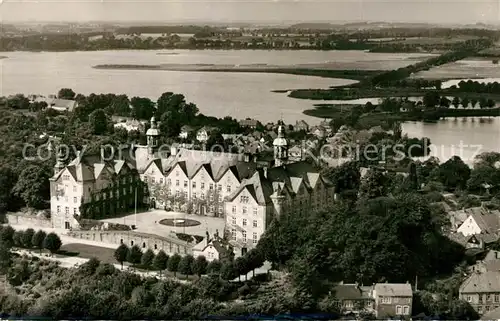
x=481, y=282
x=393, y=289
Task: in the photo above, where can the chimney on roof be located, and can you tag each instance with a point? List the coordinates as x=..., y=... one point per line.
x=246, y=157
x=265, y=171
x=207, y=238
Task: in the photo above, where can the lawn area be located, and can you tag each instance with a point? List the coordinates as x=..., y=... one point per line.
x=103, y=254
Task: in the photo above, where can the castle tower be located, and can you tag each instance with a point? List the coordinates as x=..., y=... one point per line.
x=152, y=136
x=280, y=148
x=53, y=146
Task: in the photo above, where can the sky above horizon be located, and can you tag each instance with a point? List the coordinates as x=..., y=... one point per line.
x=431, y=11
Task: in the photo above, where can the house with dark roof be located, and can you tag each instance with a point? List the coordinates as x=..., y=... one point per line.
x=250, y=123
x=301, y=125
x=58, y=104
x=354, y=298
x=212, y=248
x=185, y=131
x=484, y=225
x=482, y=291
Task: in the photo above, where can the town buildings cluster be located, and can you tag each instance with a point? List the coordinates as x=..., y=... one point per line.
x=236, y=188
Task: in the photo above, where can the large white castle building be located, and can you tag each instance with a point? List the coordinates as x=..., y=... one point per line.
x=246, y=195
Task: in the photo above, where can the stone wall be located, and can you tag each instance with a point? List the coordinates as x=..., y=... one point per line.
x=28, y=220
x=130, y=238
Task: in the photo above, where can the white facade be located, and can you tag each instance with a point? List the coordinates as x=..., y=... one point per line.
x=469, y=227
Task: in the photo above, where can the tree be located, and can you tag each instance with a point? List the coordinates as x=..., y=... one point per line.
x=98, y=121
x=7, y=235
x=214, y=267
x=160, y=261
x=33, y=186
x=134, y=255
x=473, y=102
x=483, y=102
x=121, y=254
x=254, y=259
x=444, y=102
x=7, y=182
x=241, y=267
x=37, y=240
x=431, y=99
x=5, y=257
x=455, y=102
x=17, y=238
x=52, y=242
x=200, y=266
x=173, y=263
x=142, y=108
x=454, y=173
x=227, y=271
x=147, y=258
x=465, y=102
x=186, y=265
x=491, y=103
x=66, y=93
x=27, y=239
x=374, y=184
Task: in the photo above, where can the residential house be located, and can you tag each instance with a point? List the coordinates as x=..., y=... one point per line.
x=354, y=298
x=485, y=225
x=212, y=248
x=58, y=104
x=185, y=131
x=130, y=124
x=393, y=299
x=482, y=291
x=301, y=126
x=204, y=133
x=250, y=123
x=296, y=153
x=327, y=126
x=319, y=131
x=490, y=262
x=457, y=218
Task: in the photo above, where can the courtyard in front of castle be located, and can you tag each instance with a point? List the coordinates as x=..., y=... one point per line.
x=149, y=222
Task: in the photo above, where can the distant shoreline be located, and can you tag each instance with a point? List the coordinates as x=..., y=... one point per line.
x=356, y=75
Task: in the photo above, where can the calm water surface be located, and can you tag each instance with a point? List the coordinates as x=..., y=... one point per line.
x=236, y=94
x=219, y=94
x=464, y=137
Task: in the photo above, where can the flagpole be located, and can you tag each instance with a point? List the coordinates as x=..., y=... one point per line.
x=135, y=207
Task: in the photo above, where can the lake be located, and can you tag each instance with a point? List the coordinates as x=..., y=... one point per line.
x=239, y=95
x=464, y=137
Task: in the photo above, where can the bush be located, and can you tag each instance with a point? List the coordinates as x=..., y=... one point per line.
x=52, y=242
x=134, y=255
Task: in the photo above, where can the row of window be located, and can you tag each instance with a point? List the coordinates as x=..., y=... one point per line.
x=193, y=184
x=66, y=210
x=244, y=236
x=243, y=222
x=402, y=310
x=388, y=300
x=489, y=298
x=244, y=210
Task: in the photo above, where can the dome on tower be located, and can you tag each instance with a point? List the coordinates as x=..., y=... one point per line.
x=153, y=131
x=280, y=140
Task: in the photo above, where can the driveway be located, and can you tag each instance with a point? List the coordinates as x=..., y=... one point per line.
x=149, y=222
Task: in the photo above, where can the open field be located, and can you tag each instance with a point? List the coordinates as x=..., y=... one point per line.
x=103, y=254
x=463, y=69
